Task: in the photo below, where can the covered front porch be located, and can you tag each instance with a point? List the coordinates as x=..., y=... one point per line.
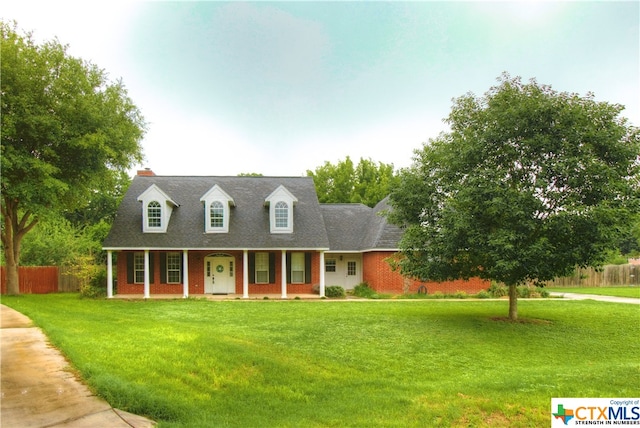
x=219, y=297
x=223, y=274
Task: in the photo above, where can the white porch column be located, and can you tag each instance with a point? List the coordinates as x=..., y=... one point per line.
x=185, y=273
x=109, y=274
x=146, y=274
x=321, y=273
x=283, y=274
x=245, y=274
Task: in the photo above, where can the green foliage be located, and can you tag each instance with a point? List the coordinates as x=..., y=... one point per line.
x=497, y=290
x=366, y=183
x=363, y=290
x=56, y=242
x=334, y=291
x=65, y=128
x=96, y=285
x=483, y=294
x=68, y=133
x=528, y=184
x=613, y=257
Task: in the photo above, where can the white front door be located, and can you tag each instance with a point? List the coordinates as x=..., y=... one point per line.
x=219, y=275
x=353, y=275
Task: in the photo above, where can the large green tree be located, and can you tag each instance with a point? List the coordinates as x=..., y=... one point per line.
x=367, y=182
x=67, y=132
x=528, y=184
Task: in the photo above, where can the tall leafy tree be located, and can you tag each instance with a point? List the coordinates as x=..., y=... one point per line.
x=528, y=184
x=367, y=182
x=67, y=131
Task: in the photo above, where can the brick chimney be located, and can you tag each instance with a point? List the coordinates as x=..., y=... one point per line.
x=146, y=172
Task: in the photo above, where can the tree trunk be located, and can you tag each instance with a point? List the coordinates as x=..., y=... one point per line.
x=513, y=302
x=12, y=234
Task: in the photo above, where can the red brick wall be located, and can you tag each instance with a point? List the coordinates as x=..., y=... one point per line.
x=377, y=272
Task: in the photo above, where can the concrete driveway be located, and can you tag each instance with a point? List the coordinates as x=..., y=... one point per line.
x=613, y=299
x=37, y=389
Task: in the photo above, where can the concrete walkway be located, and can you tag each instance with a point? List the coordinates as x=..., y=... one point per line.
x=37, y=389
x=613, y=299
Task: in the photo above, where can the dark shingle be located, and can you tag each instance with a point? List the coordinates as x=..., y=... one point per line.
x=249, y=219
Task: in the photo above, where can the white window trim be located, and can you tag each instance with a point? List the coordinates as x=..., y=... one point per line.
x=263, y=254
x=154, y=193
x=296, y=263
x=136, y=260
x=217, y=194
x=281, y=194
x=179, y=269
x=148, y=218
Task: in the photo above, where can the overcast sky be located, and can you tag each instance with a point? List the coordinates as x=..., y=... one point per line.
x=280, y=88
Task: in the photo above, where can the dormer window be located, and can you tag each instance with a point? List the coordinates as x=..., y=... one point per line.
x=282, y=214
x=217, y=214
x=281, y=203
x=154, y=214
x=216, y=206
x=157, y=207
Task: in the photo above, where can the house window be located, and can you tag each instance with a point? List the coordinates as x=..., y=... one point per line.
x=351, y=268
x=154, y=214
x=297, y=268
x=138, y=268
x=174, y=273
x=330, y=265
x=262, y=268
x=282, y=214
x=217, y=214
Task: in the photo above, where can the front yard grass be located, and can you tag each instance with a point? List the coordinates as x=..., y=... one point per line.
x=196, y=363
x=600, y=291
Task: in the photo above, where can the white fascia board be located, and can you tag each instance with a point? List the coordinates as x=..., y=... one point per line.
x=281, y=190
x=155, y=188
x=216, y=193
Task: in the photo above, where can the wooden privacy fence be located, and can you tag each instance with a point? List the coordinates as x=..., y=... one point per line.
x=609, y=276
x=42, y=280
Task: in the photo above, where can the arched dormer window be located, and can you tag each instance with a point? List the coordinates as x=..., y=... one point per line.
x=217, y=204
x=282, y=214
x=156, y=209
x=217, y=214
x=281, y=203
x=154, y=214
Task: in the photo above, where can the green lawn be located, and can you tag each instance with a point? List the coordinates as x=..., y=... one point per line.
x=420, y=363
x=601, y=291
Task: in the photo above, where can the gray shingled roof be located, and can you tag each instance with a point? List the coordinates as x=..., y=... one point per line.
x=249, y=219
x=356, y=227
x=380, y=233
x=346, y=225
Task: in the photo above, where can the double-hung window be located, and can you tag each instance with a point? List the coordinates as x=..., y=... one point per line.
x=262, y=268
x=217, y=215
x=330, y=265
x=154, y=214
x=297, y=268
x=282, y=214
x=174, y=273
x=138, y=268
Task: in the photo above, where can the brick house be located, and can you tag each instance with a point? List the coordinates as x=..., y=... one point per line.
x=250, y=235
